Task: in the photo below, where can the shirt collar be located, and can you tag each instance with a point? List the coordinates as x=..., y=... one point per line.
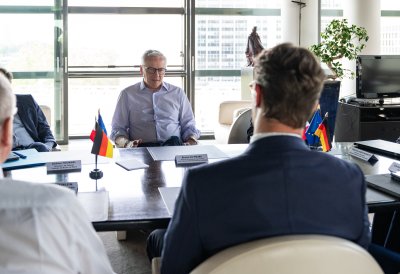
x=1, y=173
x=258, y=136
x=143, y=86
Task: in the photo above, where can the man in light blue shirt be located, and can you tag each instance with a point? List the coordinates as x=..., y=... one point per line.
x=153, y=112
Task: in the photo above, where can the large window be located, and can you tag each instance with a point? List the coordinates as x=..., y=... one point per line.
x=77, y=55
x=390, y=27
x=105, y=49
x=126, y=3
x=88, y=95
x=31, y=48
x=222, y=28
x=112, y=39
x=330, y=10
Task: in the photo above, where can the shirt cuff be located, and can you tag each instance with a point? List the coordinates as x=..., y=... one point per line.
x=50, y=145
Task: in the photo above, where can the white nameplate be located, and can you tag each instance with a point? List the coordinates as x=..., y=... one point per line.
x=71, y=185
x=191, y=159
x=395, y=176
x=394, y=167
x=363, y=155
x=64, y=166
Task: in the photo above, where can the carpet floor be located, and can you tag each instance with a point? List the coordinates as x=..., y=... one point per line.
x=127, y=256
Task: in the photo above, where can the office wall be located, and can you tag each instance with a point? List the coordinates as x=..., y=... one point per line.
x=365, y=13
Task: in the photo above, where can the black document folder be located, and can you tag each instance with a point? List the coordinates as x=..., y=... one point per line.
x=382, y=147
x=384, y=183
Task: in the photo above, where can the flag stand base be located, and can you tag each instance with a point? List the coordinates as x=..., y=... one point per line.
x=96, y=174
x=318, y=148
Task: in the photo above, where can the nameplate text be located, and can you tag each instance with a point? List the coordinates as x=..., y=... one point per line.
x=64, y=166
x=192, y=159
x=363, y=155
x=394, y=167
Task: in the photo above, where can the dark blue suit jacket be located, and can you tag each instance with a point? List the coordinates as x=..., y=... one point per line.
x=33, y=119
x=276, y=187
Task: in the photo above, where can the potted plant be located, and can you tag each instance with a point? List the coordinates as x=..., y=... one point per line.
x=340, y=40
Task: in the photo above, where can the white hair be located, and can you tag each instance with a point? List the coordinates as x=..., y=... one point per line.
x=152, y=53
x=7, y=99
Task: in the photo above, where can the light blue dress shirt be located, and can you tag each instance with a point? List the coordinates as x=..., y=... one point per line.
x=21, y=136
x=153, y=116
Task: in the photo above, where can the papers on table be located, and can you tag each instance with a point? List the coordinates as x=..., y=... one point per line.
x=168, y=153
x=95, y=204
x=169, y=196
x=131, y=164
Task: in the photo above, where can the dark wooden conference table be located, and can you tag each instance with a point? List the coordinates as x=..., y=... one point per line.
x=134, y=199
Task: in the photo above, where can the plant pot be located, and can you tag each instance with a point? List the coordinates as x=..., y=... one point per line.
x=329, y=103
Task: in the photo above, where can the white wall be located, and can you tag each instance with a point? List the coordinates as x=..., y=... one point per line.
x=291, y=20
x=364, y=13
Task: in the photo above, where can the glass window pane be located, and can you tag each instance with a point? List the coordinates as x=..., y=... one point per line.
x=126, y=3
x=326, y=20
x=27, y=3
x=331, y=4
x=88, y=95
x=100, y=40
x=390, y=5
x=390, y=38
x=27, y=46
x=238, y=3
x=221, y=40
x=42, y=91
x=327, y=6
x=210, y=92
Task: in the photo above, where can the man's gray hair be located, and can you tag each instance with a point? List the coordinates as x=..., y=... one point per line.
x=7, y=99
x=152, y=53
x=6, y=73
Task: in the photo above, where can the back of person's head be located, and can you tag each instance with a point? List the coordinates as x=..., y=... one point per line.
x=7, y=100
x=7, y=107
x=152, y=53
x=6, y=73
x=291, y=80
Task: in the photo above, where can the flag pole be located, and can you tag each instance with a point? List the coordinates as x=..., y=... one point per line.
x=325, y=117
x=96, y=173
x=95, y=167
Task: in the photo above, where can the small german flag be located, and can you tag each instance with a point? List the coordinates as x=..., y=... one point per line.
x=323, y=134
x=101, y=144
x=102, y=125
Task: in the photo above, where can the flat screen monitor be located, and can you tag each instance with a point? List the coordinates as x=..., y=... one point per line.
x=378, y=76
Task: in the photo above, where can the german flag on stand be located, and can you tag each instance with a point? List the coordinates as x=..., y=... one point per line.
x=323, y=134
x=101, y=123
x=101, y=144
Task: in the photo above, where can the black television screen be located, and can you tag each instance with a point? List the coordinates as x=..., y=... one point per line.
x=378, y=76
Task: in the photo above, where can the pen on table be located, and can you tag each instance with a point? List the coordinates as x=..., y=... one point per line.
x=22, y=156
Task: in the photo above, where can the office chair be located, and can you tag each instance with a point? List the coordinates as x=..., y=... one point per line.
x=228, y=111
x=300, y=254
x=47, y=113
x=238, y=130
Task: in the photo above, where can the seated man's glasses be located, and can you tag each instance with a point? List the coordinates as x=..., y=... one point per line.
x=161, y=71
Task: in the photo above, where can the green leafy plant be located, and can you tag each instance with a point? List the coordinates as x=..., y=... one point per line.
x=340, y=40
